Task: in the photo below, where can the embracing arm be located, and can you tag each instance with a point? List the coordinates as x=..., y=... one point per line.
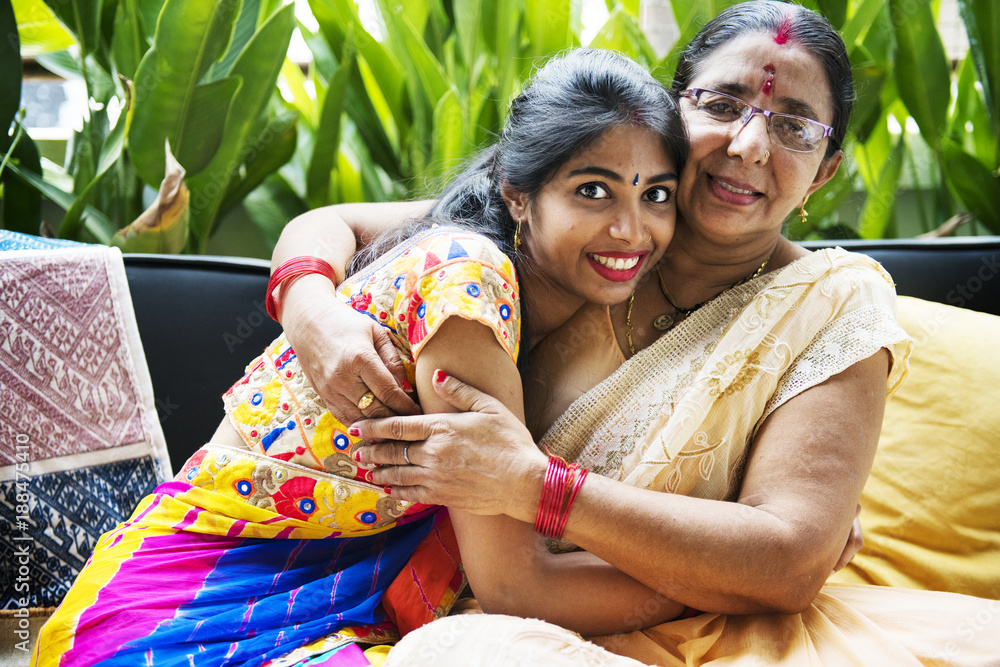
x=508, y=566
x=360, y=356
x=774, y=548
x=770, y=551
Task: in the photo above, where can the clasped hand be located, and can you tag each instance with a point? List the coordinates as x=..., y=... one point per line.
x=481, y=459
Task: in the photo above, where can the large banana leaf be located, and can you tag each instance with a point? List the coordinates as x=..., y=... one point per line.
x=921, y=69
x=982, y=24
x=257, y=66
x=977, y=187
x=38, y=29
x=83, y=17
x=168, y=103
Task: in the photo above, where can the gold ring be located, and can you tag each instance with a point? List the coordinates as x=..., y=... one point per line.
x=366, y=400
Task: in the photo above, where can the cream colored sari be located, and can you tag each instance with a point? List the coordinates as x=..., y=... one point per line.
x=679, y=417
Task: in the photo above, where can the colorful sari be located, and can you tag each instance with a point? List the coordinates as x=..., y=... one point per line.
x=679, y=417
x=279, y=551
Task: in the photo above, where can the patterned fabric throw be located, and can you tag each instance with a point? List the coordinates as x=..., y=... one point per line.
x=82, y=443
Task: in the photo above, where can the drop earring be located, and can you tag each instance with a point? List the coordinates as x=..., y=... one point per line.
x=803, y=213
x=517, y=234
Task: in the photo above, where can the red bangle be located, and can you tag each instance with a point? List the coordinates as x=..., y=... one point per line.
x=569, y=503
x=294, y=268
x=559, y=490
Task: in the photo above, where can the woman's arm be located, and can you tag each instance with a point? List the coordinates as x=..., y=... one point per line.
x=343, y=354
x=507, y=564
x=770, y=551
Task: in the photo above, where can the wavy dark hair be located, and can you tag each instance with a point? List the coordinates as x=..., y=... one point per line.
x=795, y=23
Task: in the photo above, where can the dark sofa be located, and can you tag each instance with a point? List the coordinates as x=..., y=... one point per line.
x=202, y=319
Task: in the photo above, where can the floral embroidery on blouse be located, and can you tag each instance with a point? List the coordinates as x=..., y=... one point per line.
x=300, y=460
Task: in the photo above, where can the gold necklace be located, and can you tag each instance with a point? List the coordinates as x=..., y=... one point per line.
x=666, y=321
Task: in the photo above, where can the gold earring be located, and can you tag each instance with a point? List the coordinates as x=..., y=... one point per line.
x=767, y=155
x=517, y=234
x=803, y=213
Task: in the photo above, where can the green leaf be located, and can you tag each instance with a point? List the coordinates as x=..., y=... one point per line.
x=10, y=67
x=246, y=26
x=977, y=187
x=163, y=227
x=258, y=66
x=834, y=10
x=982, y=24
x=869, y=78
x=326, y=143
x=82, y=18
x=621, y=32
x=971, y=112
x=167, y=102
x=334, y=18
x=96, y=222
x=110, y=151
x=20, y=202
x=129, y=43
x=880, y=205
x=39, y=30
x=419, y=63
x=468, y=22
x=921, y=69
x=449, y=127
x=273, y=148
x=548, y=27
x=272, y=205
x=861, y=21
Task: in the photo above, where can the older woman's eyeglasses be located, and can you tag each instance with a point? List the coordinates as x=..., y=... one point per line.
x=802, y=135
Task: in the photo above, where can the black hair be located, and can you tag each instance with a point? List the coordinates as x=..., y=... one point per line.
x=784, y=21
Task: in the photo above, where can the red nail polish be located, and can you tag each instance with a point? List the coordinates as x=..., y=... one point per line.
x=388, y=491
x=354, y=432
x=357, y=456
x=368, y=475
x=440, y=376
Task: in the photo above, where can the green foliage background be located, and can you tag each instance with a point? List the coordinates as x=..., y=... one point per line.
x=390, y=113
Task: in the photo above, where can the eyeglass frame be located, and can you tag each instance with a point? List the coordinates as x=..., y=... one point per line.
x=695, y=93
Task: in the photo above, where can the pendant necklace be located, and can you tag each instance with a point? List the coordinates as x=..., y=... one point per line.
x=666, y=321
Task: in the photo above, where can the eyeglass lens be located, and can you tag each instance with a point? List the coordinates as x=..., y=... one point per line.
x=792, y=132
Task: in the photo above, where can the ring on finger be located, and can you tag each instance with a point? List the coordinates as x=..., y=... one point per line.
x=406, y=455
x=366, y=400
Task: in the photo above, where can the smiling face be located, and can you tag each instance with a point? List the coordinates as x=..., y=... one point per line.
x=603, y=219
x=738, y=183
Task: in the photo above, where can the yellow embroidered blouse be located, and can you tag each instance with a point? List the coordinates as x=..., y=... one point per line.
x=411, y=291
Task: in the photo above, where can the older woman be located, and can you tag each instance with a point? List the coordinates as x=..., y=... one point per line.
x=746, y=380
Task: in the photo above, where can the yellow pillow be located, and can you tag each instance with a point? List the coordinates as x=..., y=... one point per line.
x=931, y=508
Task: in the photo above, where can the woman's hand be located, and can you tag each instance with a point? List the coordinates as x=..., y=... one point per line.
x=855, y=541
x=482, y=459
x=343, y=353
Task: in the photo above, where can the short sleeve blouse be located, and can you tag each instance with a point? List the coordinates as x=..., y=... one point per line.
x=411, y=291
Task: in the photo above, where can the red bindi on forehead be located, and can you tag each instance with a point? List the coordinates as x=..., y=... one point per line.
x=784, y=31
x=766, y=88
